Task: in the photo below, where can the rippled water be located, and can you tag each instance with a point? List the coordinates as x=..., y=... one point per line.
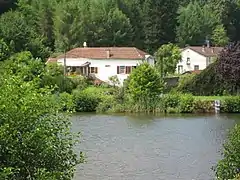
x=147, y=147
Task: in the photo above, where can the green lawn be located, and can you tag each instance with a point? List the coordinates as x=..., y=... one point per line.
x=210, y=97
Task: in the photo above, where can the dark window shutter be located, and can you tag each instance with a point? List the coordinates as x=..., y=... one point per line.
x=118, y=69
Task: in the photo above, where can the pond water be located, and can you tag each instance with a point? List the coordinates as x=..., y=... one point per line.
x=151, y=147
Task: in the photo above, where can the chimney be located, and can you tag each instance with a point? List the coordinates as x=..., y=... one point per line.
x=108, y=53
x=85, y=44
x=203, y=48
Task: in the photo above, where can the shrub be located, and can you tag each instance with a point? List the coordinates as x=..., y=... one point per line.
x=66, y=101
x=184, y=80
x=84, y=101
x=186, y=103
x=88, y=99
x=231, y=104
x=36, y=142
x=171, y=100
x=201, y=106
x=229, y=166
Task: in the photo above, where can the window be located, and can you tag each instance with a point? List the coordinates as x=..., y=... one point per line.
x=107, y=65
x=93, y=70
x=125, y=69
x=188, y=61
x=196, y=67
x=180, y=69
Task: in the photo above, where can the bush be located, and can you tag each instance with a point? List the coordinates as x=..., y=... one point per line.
x=184, y=80
x=88, y=99
x=36, y=142
x=229, y=166
x=106, y=104
x=207, y=83
x=231, y=104
x=203, y=106
x=66, y=101
x=171, y=100
x=186, y=103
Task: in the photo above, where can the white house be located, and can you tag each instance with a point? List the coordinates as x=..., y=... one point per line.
x=103, y=62
x=195, y=58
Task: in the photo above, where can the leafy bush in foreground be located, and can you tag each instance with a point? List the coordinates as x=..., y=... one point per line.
x=35, y=139
x=229, y=166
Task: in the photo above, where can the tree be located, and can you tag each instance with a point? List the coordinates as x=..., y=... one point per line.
x=228, y=65
x=159, y=19
x=228, y=167
x=109, y=25
x=144, y=86
x=19, y=36
x=36, y=142
x=196, y=23
x=167, y=57
x=68, y=27
x=133, y=10
x=219, y=36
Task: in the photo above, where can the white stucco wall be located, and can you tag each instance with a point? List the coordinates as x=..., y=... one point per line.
x=195, y=59
x=104, y=72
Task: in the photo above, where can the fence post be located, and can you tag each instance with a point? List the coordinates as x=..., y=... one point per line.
x=217, y=106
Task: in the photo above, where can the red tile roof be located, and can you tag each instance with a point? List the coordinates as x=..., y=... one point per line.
x=206, y=51
x=192, y=72
x=51, y=60
x=104, y=52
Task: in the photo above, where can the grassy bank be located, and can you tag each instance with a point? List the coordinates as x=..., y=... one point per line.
x=102, y=99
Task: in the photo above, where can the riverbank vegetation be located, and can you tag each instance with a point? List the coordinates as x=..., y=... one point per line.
x=36, y=142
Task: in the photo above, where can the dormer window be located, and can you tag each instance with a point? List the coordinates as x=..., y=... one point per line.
x=188, y=61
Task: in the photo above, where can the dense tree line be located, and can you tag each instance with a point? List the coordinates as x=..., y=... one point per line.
x=47, y=26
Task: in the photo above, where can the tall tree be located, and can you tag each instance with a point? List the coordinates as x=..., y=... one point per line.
x=167, y=58
x=219, y=36
x=196, y=23
x=133, y=10
x=68, y=27
x=159, y=22
x=110, y=26
x=19, y=36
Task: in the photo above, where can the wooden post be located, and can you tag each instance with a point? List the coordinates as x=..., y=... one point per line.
x=217, y=106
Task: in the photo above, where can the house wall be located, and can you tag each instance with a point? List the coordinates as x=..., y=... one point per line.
x=106, y=68
x=195, y=59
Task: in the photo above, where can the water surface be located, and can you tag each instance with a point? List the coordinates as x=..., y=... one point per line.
x=148, y=147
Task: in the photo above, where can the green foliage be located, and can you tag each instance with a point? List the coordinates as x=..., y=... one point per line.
x=167, y=57
x=145, y=85
x=88, y=99
x=36, y=142
x=4, y=50
x=53, y=77
x=68, y=27
x=171, y=100
x=219, y=36
x=159, y=23
x=114, y=80
x=19, y=36
x=23, y=65
x=66, y=101
x=203, y=106
x=186, y=103
x=228, y=167
x=231, y=104
x=184, y=80
x=196, y=22
x=207, y=83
